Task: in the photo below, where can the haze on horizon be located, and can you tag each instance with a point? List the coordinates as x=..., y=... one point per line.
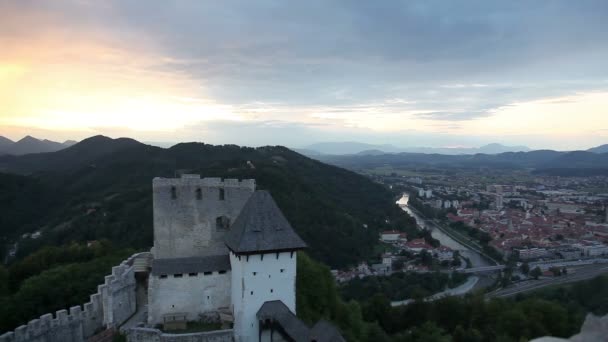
x=411, y=73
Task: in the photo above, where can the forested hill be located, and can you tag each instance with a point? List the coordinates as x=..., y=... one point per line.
x=101, y=188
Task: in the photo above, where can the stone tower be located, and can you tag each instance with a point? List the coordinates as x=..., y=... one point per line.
x=263, y=256
x=192, y=215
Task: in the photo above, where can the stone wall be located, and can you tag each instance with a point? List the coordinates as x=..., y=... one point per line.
x=192, y=295
x=155, y=335
x=111, y=306
x=186, y=210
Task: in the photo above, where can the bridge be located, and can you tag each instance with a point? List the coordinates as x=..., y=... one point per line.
x=483, y=269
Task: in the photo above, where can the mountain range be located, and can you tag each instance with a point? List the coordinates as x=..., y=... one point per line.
x=540, y=161
x=352, y=147
x=30, y=144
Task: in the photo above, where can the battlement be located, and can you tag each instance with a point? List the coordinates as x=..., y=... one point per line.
x=110, y=306
x=197, y=181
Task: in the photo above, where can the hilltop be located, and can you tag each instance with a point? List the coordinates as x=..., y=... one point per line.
x=30, y=144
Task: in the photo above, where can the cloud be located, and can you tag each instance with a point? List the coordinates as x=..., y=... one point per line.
x=339, y=66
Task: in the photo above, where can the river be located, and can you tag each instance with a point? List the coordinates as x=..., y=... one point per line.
x=477, y=260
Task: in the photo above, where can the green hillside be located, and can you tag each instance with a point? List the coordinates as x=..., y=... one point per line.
x=101, y=188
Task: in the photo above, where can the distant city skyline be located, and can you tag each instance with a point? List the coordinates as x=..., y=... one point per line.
x=415, y=73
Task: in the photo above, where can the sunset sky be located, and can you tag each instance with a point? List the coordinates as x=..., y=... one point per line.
x=408, y=73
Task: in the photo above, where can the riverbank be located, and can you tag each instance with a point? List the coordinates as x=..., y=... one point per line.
x=446, y=237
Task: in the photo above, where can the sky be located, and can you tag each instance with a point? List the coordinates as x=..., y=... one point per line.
x=407, y=73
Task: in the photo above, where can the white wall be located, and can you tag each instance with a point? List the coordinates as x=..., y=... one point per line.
x=190, y=295
x=250, y=291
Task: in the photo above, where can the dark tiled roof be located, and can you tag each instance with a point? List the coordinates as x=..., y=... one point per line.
x=261, y=226
x=324, y=331
x=191, y=265
x=277, y=311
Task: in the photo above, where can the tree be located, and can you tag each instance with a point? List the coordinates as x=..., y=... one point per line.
x=398, y=264
x=377, y=309
x=536, y=272
x=525, y=268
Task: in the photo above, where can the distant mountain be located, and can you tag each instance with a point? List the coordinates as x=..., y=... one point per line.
x=349, y=147
x=69, y=143
x=4, y=142
x=498, y=148
x=346, y=148
x=578, y=163
x=29, y=145
x=599, y=149
x=84, y=153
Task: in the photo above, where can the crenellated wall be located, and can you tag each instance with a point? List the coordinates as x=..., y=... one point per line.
x=155, y=335
x=111, y=306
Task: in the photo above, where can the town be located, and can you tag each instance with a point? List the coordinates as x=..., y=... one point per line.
x=512, y=219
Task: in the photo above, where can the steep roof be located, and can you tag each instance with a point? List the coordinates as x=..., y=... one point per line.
x=297, y=330
x=191, y=265
x=261, y=227
x=279, y=312
x=324, y=331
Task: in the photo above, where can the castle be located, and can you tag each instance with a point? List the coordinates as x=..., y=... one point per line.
x=222, y=251
x=225, y=247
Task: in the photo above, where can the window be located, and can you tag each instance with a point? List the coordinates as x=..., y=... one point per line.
x=254, y=273
x=192, y=274
x=222, y=194
x=252, y=293
x=199, y=194
x=178, y=275
x=222, y=223
x=282, y=270
x=173, y=192
x=208, y=273
x=222, y=272
x=271, y=290
x=163, y=276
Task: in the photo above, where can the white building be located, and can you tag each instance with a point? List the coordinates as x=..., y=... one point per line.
x=595, y=250
x=429, y=193
x=390, y=235
x=444, y=253
x=499, y=202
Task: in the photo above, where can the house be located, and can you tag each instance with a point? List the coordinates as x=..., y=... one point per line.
x=390, y=235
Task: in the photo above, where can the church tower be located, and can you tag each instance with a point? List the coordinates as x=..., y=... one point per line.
x=263, y=248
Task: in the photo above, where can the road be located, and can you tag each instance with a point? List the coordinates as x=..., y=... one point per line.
x=457, y=291
x=582, y=273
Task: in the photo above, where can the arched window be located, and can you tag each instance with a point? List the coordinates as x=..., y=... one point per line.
x=222, y=223
x=222, y=194
x=173, y=192
x=199, y=194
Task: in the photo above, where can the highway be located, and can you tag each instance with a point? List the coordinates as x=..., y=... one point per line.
x=581, y=273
